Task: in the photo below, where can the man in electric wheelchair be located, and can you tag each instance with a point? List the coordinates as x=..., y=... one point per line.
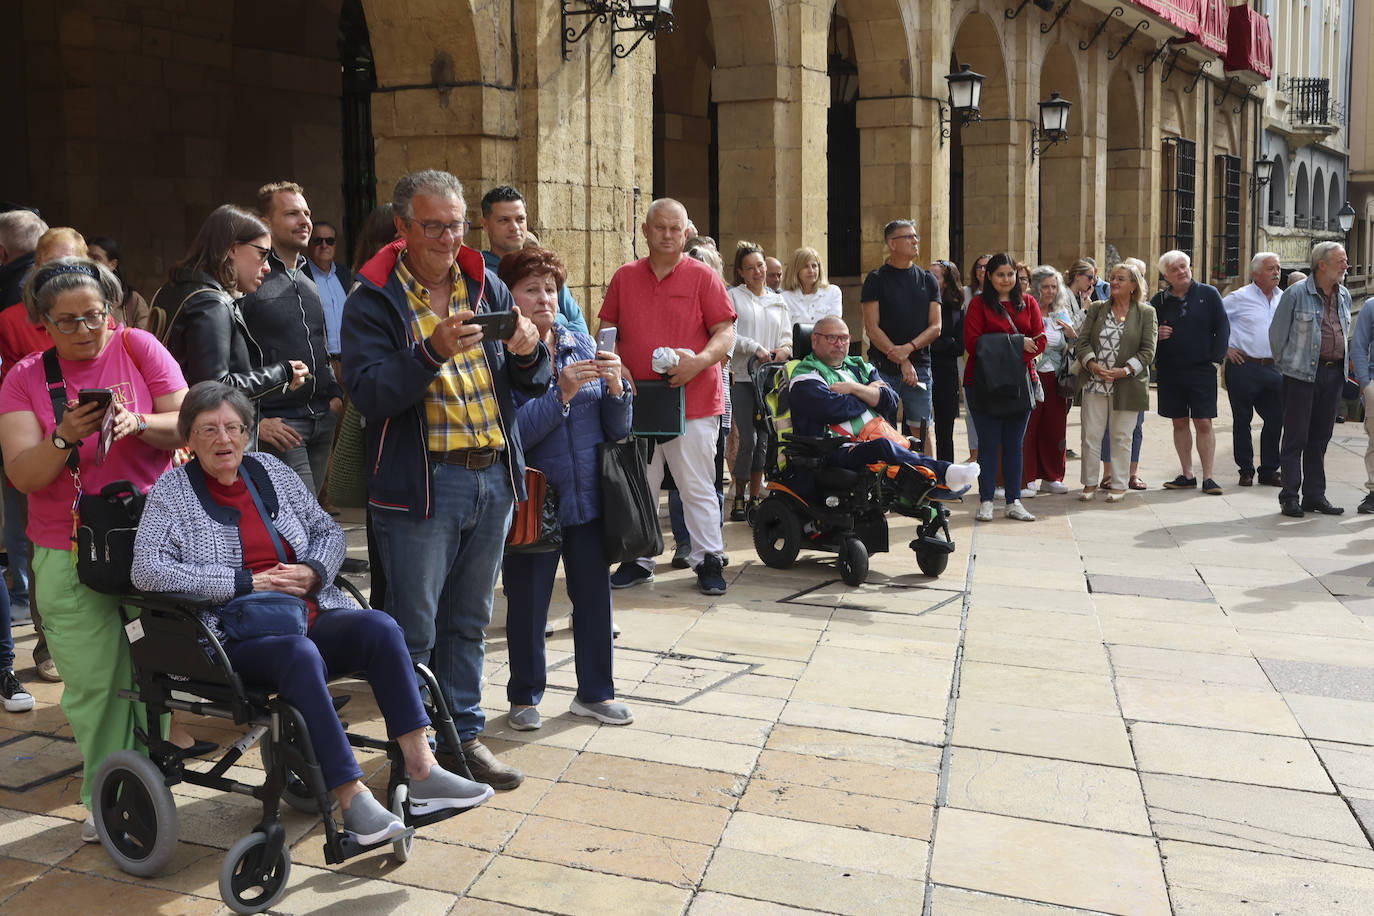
x=837, y=464
x=233, y=558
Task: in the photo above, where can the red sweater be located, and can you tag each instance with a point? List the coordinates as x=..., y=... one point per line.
x=19, y=338
x=983, y=319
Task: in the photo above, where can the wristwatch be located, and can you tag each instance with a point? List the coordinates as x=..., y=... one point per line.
x=60, y=442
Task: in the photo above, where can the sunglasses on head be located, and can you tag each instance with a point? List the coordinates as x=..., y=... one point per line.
x=322, y=240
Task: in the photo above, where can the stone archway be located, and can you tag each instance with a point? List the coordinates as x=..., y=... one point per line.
x=1065, y=231
x=1128, y=163
x=985, y=152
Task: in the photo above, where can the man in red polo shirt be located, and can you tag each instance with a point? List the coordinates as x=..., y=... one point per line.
x=668, y=300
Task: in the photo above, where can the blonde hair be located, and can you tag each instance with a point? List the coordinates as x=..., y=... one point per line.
x=1137, y=277
x=54, y=238
x=800, y=258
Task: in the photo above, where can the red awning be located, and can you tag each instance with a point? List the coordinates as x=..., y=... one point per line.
x=1248, y=42
x=1180, y=13
x=1208, y=28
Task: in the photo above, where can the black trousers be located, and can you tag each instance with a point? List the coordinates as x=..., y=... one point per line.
x=1309, y=416
x=945, y=394
x=1255, y=388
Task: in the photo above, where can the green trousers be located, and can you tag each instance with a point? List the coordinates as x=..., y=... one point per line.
x=88, y=644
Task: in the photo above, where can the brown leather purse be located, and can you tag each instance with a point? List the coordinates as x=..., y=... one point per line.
x=534, y=527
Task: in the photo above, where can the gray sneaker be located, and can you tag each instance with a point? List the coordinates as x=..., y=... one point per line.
x=484, y=767
x=442, y=791
x=524, y=718
x=608, y=712
x=369, y=822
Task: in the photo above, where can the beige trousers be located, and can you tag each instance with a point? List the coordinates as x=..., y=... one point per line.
x=1097, y=415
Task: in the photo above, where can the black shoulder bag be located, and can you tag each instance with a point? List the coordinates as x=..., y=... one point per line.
x=105, y=523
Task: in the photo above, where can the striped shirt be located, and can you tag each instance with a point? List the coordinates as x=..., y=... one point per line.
x=460, y=404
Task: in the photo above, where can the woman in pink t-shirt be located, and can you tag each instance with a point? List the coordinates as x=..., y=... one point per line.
x=72, y=299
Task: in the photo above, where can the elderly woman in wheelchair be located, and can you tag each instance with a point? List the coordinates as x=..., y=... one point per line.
x=243, y=534
x=827, y=413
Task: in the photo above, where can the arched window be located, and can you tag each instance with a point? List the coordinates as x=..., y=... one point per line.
x=1278, y=195
x=1302, y=199
x=1333, y=203
x=1319, y=201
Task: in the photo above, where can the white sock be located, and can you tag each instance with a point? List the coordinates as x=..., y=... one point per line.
x=958, y=476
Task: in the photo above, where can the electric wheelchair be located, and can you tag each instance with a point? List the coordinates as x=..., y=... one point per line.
x=816, y=506
x=132, y=805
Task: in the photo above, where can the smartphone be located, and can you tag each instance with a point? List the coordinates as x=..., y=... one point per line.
x=102, y=396
x=495, y=325
x=605, y=339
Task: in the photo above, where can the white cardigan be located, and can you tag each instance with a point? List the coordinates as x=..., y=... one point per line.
x=763, y=324
x=804, y=308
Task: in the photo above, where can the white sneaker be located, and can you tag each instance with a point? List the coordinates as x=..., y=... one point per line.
x=1018, y=512
x=958, y=476
x=88, y=832
x=984, y=513
x=12, y=692
x=1058, y=487
x=999, y=493
x=1028, y=491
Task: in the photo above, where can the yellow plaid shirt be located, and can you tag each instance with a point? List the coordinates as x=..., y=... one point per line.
x=460, y=403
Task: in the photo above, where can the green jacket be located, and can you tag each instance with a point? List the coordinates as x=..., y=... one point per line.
x=1138, y=339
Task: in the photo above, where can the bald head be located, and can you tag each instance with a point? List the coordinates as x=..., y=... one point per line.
x=665, y=229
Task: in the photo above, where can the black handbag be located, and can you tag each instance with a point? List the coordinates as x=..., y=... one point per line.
x=629, y=512
x=534, y=527
x=1001, y=383
x=267, y=613
x=1065, y=382
x=107, y=522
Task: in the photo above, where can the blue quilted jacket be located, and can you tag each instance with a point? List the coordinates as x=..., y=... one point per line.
x=564, y=448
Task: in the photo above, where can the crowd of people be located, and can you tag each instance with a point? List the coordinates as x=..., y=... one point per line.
x=229, y=388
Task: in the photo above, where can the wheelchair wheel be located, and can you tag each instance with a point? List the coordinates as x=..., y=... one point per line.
x=853, y=562
x=296, y=793
x=134, y=813
x=932, y=562
x=247, y=883
x=400, y=850
x=777, y=533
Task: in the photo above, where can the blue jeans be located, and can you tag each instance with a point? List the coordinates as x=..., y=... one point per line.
x=1136, y=436
x=440, y=577
x=528, y=579
x=16, y=541
x=917, y=405
x=1004, y=434
x=1255, y=388
x=6, y=638
x=341, y=642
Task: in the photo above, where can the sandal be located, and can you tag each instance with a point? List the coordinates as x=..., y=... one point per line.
x=1087, y=495
x=1106, y=483
x=1137, y=484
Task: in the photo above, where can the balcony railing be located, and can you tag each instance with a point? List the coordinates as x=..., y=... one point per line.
x=1310, y=101
x=1300, y=221
x=1276, y=218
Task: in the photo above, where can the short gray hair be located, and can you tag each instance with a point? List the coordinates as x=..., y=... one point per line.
x=1169, y=257
x=1258, y=260
x=897, y=225
x=1321, y=251
x=19, y=232
x=434, y=182
x=662, y=202
x=63, y=275
x=211, y=395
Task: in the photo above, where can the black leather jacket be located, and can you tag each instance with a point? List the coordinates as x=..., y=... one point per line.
x=285, y=315
x=207, y=335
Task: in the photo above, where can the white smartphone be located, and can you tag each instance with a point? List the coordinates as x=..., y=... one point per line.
x=605, y=339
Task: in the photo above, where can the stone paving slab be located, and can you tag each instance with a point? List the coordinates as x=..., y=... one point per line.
x=1339, y=682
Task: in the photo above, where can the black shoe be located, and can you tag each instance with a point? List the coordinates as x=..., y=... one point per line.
x=1211, y=487
x=710, y=578
x=1322, y=506
x=680, y=554
x=630, y=574
x=1180, y=483
x=1290, y=508
x=199, y=749
x=1247, y=478
x=1367, y=505
x=354, y=565
x=737, y=510
x=1270, y=479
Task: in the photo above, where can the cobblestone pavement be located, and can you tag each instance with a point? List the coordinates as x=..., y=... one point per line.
x=1161, y=706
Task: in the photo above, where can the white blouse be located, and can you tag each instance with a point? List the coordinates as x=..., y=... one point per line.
x=808, y=308
x=762, y=324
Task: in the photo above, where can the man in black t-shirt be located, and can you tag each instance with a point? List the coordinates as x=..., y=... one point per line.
x=901, y=309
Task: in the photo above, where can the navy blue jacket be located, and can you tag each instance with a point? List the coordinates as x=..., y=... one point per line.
x=387, y=371
x=564, y=448
x=815, y=407
x=1202, y=332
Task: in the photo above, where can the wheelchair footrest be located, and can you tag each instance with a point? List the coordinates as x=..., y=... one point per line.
x=932, y=543
x=352, y=847
x=433, y=817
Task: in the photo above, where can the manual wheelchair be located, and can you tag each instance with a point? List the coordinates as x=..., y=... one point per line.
x=816, y=506
x=132, y=805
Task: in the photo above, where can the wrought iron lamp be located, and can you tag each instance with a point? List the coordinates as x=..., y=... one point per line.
x=1054, y=124
x=646, y=18
x=1264, y=170
x=1346, y=218
x=965, y=94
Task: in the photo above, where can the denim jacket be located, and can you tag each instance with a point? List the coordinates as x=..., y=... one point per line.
x=1295, y=333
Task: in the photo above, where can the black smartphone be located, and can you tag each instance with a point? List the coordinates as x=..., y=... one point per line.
x=102, y=396
x=495, y=325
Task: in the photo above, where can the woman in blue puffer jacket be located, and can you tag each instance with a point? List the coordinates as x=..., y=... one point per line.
x=587, y=403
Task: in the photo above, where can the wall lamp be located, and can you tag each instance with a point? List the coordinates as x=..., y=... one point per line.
x=646, y=18
x=965, y=94
x=1264, y=170
x=1346, y=218
x=1054, y=124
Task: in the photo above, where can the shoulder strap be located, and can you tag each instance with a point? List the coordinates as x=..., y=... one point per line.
x=172, y=318
x=262, y=511
x=57, y=390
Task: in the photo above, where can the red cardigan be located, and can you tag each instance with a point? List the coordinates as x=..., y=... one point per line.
x=983, y=319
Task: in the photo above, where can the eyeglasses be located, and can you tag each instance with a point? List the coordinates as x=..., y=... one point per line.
x=906, y=238
x=834, y=338
x=210, y=431
x=262, y=252
x=68, y=324
x=436, y=230
x=323, y=240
